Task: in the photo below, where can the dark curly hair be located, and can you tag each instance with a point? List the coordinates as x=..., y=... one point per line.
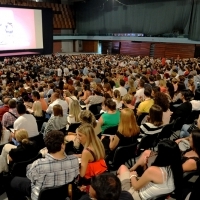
x=53, y=141
x=161, y=100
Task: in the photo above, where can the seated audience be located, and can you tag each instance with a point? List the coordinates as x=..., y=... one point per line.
x=145, y=105
x=57, y=121
x=5, y=135
x=127, y=132
x=55, y=99
x=69, y=98
x=55, y=169
x=4, y=108
x=37, y=111
x=93, y=155
x=106, y=186
x=127, y=99
x=163, y=176
x=95, y=99
x=10, y=116
x=111, y=117
x=117, y=99
x=191, y=151
x=154, y=124
x=162, y=100
x=74, y=111
x=185, y=108
x=24, y=151
x=121, y=88
x=25, y=121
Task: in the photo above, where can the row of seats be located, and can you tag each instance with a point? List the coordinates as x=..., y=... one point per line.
x=62, y=18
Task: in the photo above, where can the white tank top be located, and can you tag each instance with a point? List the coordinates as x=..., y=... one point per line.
x=153, y=189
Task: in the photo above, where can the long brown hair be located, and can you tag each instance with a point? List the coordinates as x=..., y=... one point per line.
x=156, y=114
x=128, y=125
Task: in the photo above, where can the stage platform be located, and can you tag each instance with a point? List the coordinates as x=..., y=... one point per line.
x=24, y=53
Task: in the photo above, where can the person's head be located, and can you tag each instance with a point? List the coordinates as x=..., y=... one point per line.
x=35, y=95
x=155, y=89
x=169, y=155
x=155, y=114
x=21, y=108
x=87, y=137
x=6, y=100
x=127, y=124
x=141, y=83
x=105, y=186
x=21, y=136
x=12, y=103
x=37, y=109
x=106, y=87
x=194, y=140
x=117, y=95
x=127, y=98
x=151, y=78
x=55, y=96
x=110, y=104
x=67, y=93
x=74, y=110
x=161, y=100
x=185, y=95
x=147, y=92
x=54, y=141
x=86, y=116
x=57, y=110
x=121, y=82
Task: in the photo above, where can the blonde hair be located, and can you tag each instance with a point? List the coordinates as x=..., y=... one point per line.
x=162, y=83
x=67, y=93
x=21, y=136
x=117, y=95
x=127, y=98
x=92, y=140
x=74, y=109
x=87, y=116
x=127, y=124
x=37, y=109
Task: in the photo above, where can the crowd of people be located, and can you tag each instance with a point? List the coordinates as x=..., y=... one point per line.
x=137, y=95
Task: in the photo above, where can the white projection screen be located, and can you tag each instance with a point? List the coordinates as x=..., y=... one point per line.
x=20, y=29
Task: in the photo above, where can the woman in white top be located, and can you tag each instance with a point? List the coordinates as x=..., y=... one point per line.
x=69, y=97
x=5, y=135
x=117, y=99
x=162, y=177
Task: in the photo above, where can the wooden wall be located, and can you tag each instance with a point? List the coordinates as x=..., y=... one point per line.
x=169, y=50
x=57, y=44
x=90, y=46
x=135, y=48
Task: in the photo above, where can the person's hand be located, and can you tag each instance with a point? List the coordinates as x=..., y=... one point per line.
x=133, y=173
x=179, y=140
x=111, y=137
x=82, y=188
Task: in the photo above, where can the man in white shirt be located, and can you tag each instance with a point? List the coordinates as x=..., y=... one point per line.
x=140, y=92
x=59, y=71
x=122, y=89
x=55, y=99
x=66, y=71
x=25, y=121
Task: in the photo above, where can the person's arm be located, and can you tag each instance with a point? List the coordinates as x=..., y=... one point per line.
x=114, y=141
x=189, y=165
x=84, y=96
x=179, y=140
x=150, y=174
x=84, y=162
x=49, y=109
x=32, y=171
x=87, y=100
x=100, y=121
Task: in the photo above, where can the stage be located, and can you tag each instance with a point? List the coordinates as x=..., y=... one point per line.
x=24, y=53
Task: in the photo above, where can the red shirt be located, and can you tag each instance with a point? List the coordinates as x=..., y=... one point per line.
x=3, y=110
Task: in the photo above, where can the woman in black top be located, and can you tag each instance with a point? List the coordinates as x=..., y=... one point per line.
x=127, y=132
x=25, y=151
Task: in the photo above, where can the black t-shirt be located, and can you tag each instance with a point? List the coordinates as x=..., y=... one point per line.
x=23, y=152
x=125, y=141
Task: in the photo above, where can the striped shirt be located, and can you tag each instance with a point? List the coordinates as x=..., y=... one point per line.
x=50, y=172
x=149, y=129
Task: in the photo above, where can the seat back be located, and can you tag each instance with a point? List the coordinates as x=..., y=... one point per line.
x=123, y=154
x=19, y=169
x=59, y=192
x=38, y=140
x=141, y=117
x=72, y=127
x=147, y=142
x=110, y=131
x=95, y=108
x=166, y=132
x=178, y=123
